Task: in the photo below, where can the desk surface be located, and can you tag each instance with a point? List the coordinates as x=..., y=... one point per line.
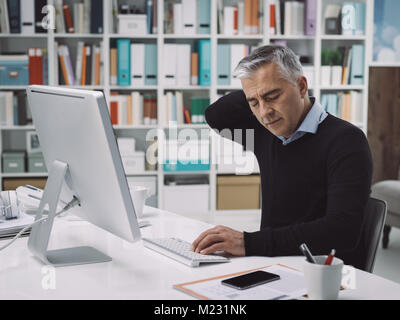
x=137, y=272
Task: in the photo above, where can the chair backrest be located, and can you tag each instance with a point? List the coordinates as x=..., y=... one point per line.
x=374, y=220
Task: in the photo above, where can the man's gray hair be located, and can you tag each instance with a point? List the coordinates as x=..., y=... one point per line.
x=287, y=61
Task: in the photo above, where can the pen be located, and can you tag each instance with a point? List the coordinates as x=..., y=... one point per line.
x=330, y=257
x=307, y=253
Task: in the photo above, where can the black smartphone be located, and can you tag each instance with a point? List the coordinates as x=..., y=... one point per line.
x=250, y=280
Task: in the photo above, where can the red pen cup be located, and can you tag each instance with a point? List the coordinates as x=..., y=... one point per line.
x=323, y=282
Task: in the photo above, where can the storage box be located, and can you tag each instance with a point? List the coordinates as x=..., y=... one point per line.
x=36, y=162
x=134, y=164
x=132, y=24
x=14, y=70
x=238, y=192
x=14, y=161
x=186, y=199
x=14, y=183
x=126, y=146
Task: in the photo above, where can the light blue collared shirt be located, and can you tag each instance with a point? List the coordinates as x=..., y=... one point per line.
x=310, y=124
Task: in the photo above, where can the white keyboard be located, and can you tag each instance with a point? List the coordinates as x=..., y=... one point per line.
x=179, y=250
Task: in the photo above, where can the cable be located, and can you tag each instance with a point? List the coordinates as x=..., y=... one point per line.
x=74, y=202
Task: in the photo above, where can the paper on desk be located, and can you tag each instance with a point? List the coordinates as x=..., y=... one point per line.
x=290, y=286
x=16, y=224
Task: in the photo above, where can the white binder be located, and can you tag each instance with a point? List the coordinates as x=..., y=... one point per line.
x=189, y=16
x=27, y=17
x=238, y=52
x=183, y=64
x=137, y=64
x=170, y=64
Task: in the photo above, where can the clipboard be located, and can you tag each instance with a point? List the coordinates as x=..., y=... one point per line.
x=194, y=288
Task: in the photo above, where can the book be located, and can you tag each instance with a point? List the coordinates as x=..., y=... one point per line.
x=68, y=18
x=60, y=21
x=96, y=17
x=14, y=13
x=35, y=66
x=4, y=17
x=194, y=69
x=272, y=19
x=310, y=17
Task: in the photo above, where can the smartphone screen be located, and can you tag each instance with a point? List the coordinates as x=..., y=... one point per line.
x=251, y=279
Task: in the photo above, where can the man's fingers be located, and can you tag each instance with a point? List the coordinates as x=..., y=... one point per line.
x=202, y=236
x=219, y=246
x=208, y=241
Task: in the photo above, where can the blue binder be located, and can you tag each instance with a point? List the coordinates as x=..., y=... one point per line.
x=360, y=18
x=124, y=62
x=203, y=16
x=224, y=64
x=357, y=65
x=204, y=62
x=150, y=67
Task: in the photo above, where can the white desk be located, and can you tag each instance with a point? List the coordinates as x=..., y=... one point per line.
x=136, y=272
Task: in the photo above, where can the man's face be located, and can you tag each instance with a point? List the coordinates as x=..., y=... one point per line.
x=278, y=104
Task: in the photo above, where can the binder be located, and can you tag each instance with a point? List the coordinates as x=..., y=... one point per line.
x=183, y=64
x=203, y=16
x=238, y=52
x=170, y=64
x=205, y=62
x=124, y=65
x=39, y=16
x=35, y=66
x=178, y=19
x=96, y=18
x=194, y=69
x=27, y=17
x=348, y=18
x=4, y=20
x=68, y=19
x=224, y=64
x=189, y=16
x=151, y=67
x=149, y=15
x=357, y=65
x=229, y=18
x=14, y=13
x=360, y=18
x=137, y=64
x=310, y=17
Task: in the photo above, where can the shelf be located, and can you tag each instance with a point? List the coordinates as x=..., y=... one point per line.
x=88, y=87
x=130, y=36
x=240, y=37
x=24, y=175
x=188, y=126
x=343, y=37
x=27, y=127
x=385, y=64
x=186, y=88
x=144, y=173
x=142, y=88
x=186, y=36
x=343, y=87
x=78, y=35
x=291, y=37
x=12, y=88
x=138, y=126
x=177, y=173
x=20, y=35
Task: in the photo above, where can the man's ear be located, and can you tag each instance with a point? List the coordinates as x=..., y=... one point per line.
x=303, y=86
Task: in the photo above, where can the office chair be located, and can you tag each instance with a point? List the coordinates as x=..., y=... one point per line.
x=363, y=257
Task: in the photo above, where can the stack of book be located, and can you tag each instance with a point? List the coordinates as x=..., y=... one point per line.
x=88, y=66
x=293, y=17
x=229, y=55
x=245, y=17
x=24, y=69
x=10, y=228
x=347, y=106
x=133, y=109
x=79, y=17
x=22, y=16
x=133, y=64
x=187, y=17
x=176, y=111
x=13, y=109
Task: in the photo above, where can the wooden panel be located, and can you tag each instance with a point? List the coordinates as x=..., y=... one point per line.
x=384, y=122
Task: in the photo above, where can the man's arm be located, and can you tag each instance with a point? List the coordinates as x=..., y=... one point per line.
x=231, y=116
x=349, y=171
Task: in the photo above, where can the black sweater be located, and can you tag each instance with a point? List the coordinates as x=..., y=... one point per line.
x=314, y=189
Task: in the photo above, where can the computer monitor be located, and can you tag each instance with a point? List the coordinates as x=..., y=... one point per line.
x=81, y=153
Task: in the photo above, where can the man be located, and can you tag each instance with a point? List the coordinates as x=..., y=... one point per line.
x=315, y=168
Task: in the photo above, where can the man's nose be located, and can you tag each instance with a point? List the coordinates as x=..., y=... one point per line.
x=265, y=110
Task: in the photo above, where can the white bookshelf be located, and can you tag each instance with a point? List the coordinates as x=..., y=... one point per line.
x=213, y=90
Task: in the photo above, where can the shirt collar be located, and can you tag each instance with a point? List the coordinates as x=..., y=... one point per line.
x=314, y=117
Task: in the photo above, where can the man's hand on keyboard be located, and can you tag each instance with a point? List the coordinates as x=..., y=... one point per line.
x=220, y=238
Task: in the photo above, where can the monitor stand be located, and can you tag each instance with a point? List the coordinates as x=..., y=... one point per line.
x=40, y=234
